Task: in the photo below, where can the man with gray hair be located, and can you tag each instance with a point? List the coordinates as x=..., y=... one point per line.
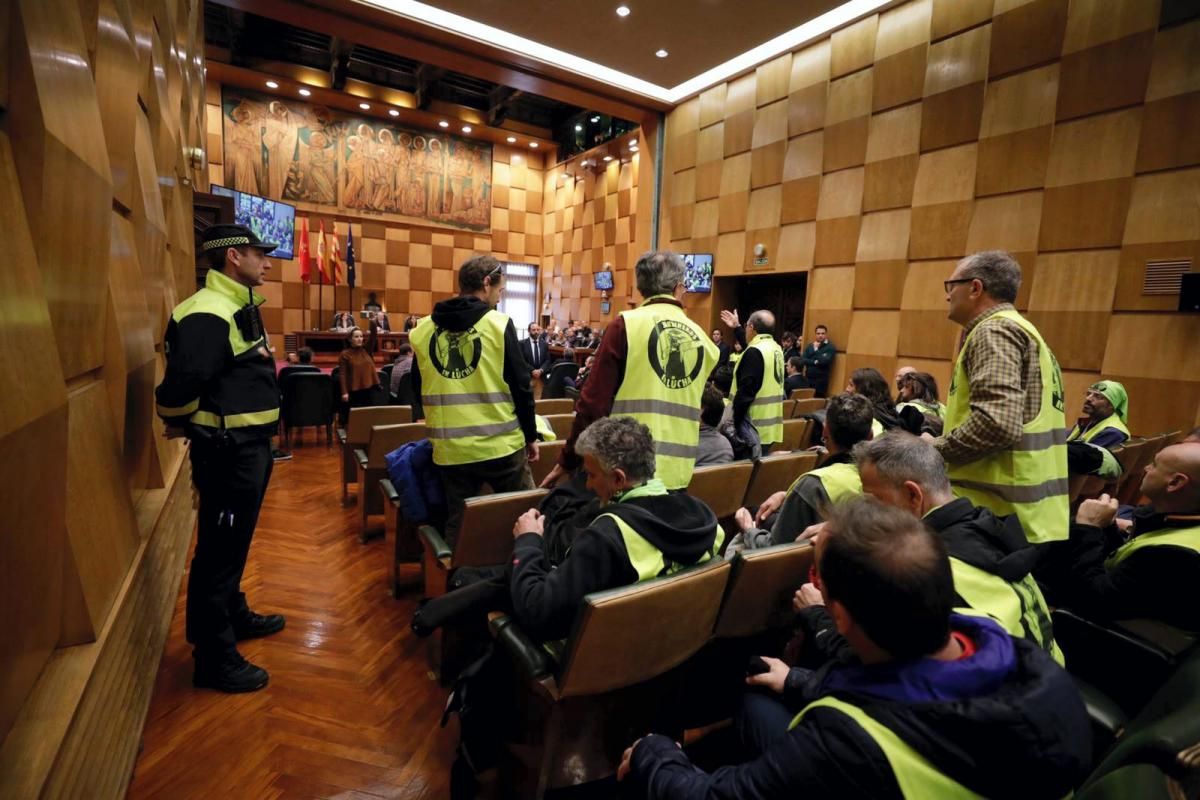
x=758, y=379
x=1005, y=432
x=652, y=365
x=642, y=532
x=990, y=557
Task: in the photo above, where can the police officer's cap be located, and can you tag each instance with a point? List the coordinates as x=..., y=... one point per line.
x=218, y=236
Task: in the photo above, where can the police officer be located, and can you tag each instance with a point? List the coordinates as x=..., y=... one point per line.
x=652, y=365
x=220, y=392
x=474, y=387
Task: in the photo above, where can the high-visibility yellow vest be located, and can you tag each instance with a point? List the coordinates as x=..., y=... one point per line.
x=933, y=409
x=1178, y=537
x=1018, y=607
x=1029, y=480
x=668, y=361
x=840, y=481
x=1111, y=421
x=915, y=775
x=646, y=559
x=766, y=410
x=876, y=428
x=469, y=411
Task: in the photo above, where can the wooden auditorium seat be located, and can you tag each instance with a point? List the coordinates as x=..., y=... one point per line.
x=809, y=406
x=789, y=408
x=796, y=433
x=1129, y=456
x=548, y=453
x=802, y=394
x=371, y=466
x=722, y=486
x=761, y=586
x=547, y=407
x=358, y=430
x=561, y=423
x=776, y=473
x=402, y=532
x=615, y=680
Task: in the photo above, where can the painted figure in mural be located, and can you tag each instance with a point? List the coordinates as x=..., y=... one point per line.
x=280, y=135
x=321, y=186
x=382, y=175
x=433, y=180
x=354, y=192
x=243, y=150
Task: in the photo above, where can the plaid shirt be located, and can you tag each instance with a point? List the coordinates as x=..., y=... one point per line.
x=1006, y=388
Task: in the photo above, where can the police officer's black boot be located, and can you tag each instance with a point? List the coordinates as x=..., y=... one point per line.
x=232, y=674
x=255, y=626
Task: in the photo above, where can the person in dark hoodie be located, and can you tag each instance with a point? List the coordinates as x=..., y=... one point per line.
x=937, y=705
x=474, y=390
x=642, y=532
x=990, y=557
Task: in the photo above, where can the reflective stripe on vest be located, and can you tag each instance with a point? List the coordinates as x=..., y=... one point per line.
x=840, y=481
x=1111, y=421
x=668, y=361
x=916, y=777
x=1018, y=607
x=469, y=412
x=766, y=410
x=646, y=559
x=1178, y=537
x=1029, y=480
x=249, y=419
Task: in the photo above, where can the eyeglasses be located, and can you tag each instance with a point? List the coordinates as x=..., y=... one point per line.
x=948, y=285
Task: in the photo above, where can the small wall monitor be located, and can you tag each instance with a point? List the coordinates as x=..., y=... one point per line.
x=697, y=272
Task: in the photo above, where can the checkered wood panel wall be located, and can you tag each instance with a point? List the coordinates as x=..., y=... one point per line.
x=1060, y=130
x=409, y=267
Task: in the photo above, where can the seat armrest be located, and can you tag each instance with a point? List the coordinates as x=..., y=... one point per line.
x=531, y=660
x=434, y=541
x=360, y=456
x=1108, y=720
x=389, y=492
x=341, y=434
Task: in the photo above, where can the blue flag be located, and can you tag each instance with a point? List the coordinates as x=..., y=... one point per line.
x=350, y=276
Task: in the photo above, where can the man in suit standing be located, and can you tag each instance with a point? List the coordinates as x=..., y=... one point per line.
x=719, y=340
x=818, y=360
x=536, y=351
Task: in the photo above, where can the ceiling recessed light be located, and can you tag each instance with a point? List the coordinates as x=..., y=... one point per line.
x=443, y=124
x=578, y=127
x=305, y=92
x=393, y=112
x=633, y=147
x=622, y=11
x=661, y=53
x=596, y=119
x=608, y=158
x=511, y=140
x=533, y=145
x=466, y=129
x=272, y=85
x=364, y=106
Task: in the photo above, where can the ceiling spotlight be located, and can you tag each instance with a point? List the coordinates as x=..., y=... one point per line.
x=393, y=112
x=533, y=145
x=578, y=127
x=364, y=106
x=608, y=158
x=272, y=85
x=466, y=128
x=622, y=11
x=511, y=139
x=443, y=124
x=305, y=92
x=633, y=148
x=661, y=53
x=596, y=118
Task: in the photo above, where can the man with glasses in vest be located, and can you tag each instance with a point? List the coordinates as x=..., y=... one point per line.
x=935, y=705
x=1005, y=433
x=474, y=387
x=759, y=376
x=220, y=392
x=652, y=365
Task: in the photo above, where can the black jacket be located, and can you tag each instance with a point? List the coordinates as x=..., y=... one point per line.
x=1005, y=723
x=545, y=599
x=543, y=359
x=459, y=314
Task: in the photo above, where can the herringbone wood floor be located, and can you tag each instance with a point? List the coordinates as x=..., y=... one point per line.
x=349, y=712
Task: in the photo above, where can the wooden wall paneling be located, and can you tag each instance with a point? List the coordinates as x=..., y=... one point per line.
x=764, y=208
x=739, y=115
x=1085, y=215
x=802, y=177
x=1167, y=138
x=942, y=209
x=709, y=154
x=1095, y=22
x=769, y=239
x=958, y=61
x=1029, y=33
x=101, y=528
x=1008, y=222
x=839, y=216
x=1165, y=207
x=712, y=105
x=769, y=143
x=846, y=121
x=808, y=88
x=874, y=333
x=923, y=289
x=705, y=219
x=150, y=224
x=903, y=28
x=1095, y=148
x=1158, y=405
x=772, y=80
x=831, y=288
x=1071, y=302
x=1110, y=75
x=954, y=86
x=1013, y=162
x=1015, y=132
x=1174, y=69
x=952, y=16
x=735, y=192
x=683, y=129
x=927, y=334
x=1153, y=345
x=54, y=146
x=116, y=77
x=796, y=246
x=891, y=160
x=901, y=49
x=731, y=253
x=853, y=47
x=1132, y=274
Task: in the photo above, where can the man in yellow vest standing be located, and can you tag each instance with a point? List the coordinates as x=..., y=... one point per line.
x=474, y=388
x=1105, y=411
x=758, y=378
x=935, y=705
x=1005, y=434
x=652, y=365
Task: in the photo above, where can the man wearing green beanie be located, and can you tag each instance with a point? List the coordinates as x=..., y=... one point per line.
x=1105, y=410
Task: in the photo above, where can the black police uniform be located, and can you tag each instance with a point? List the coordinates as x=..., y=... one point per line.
x=220, y=388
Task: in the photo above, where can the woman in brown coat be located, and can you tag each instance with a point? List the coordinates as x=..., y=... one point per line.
x=357, y=374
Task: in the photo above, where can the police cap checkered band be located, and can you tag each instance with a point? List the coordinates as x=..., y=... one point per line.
x=222, y=235
x=230, y=241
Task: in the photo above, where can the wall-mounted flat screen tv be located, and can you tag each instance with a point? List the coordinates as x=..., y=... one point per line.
x=603, y=280
x=697, y=272
x=270, y=220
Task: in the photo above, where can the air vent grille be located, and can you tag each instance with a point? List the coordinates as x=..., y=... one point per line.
x=1165, y=277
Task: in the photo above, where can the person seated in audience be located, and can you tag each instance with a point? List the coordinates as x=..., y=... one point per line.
x=357, y=373
x=643, y=532
x=343, y=321
x=934, y=704
x=847, y=422
x=867, y=382
x=715, y=447
x=563, y=361
x=899, y=378
x=1105, y=411
x=919, y=391
x=410, y=322
x=382, y=323
x=303, y=363
x=989, y=556
x=401, y=366
x=1148, y=567
x=794, y=376
x=584, y=371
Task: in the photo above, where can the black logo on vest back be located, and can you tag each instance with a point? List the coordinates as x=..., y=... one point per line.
x=455, y=354
x=779, y=367
x=676, y=353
